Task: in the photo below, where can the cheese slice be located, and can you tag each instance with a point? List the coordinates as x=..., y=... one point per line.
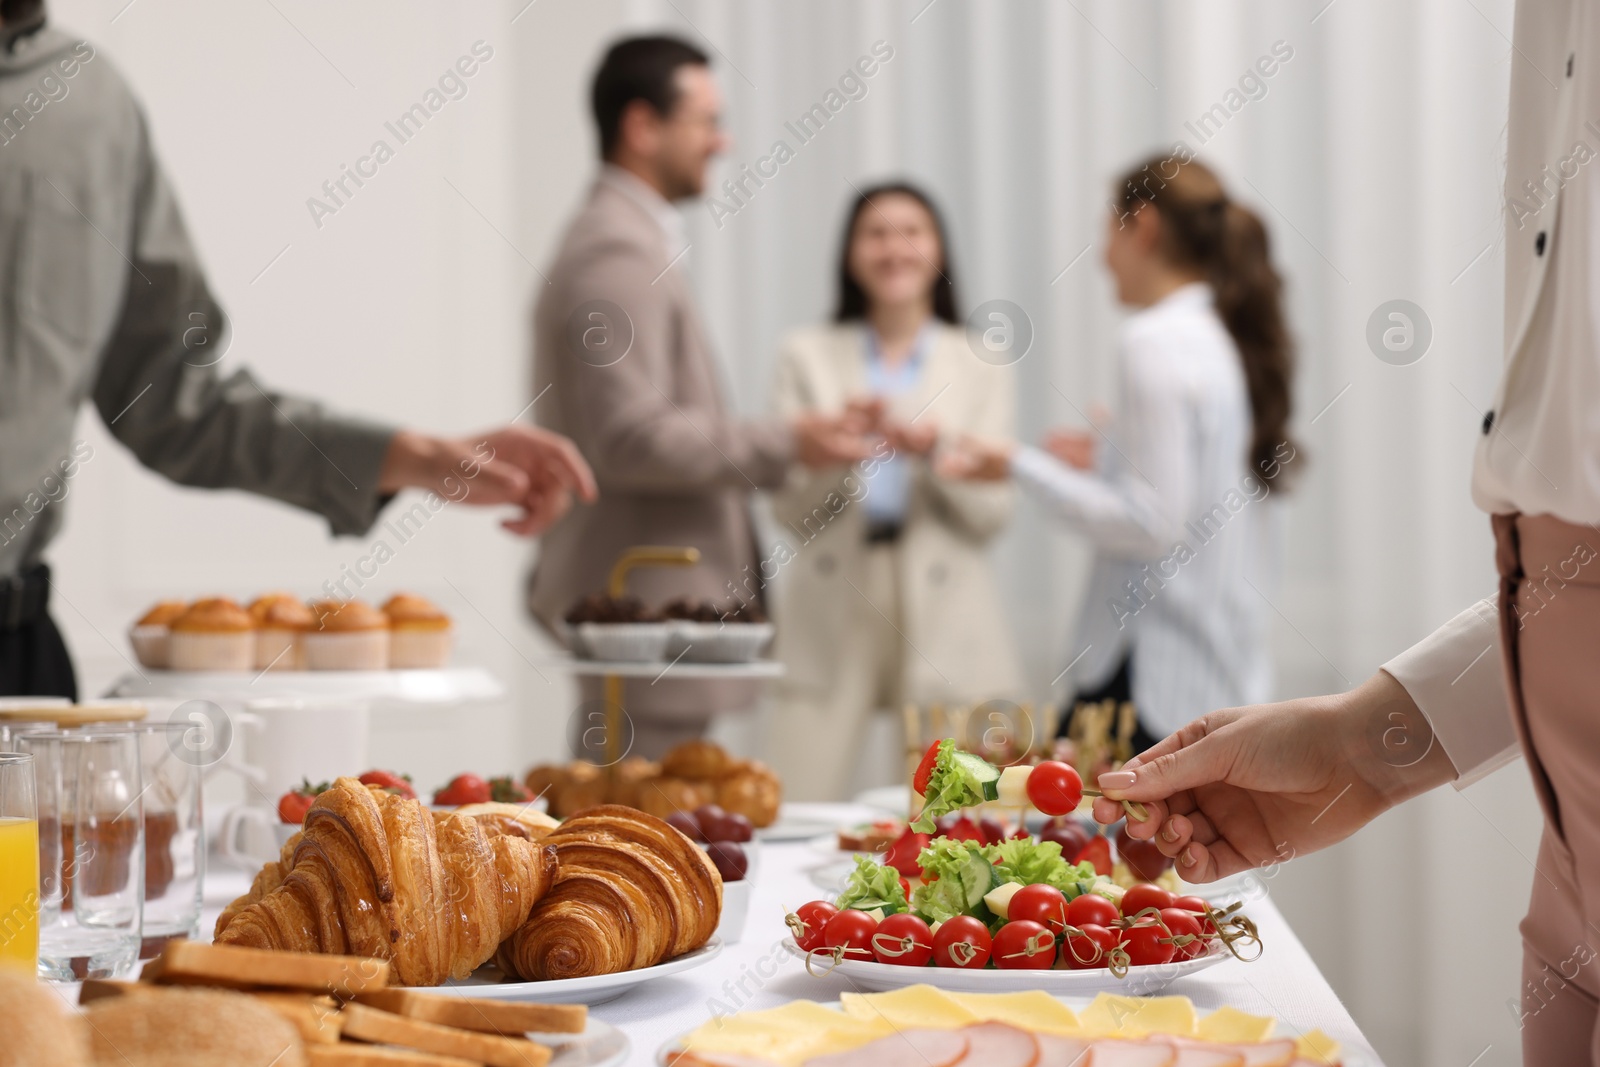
x=1112, y=1015
x=1032, y=1009
x=1230, y=1026
x=913, y=1006
x=790, y=1034
x=1318, y=1047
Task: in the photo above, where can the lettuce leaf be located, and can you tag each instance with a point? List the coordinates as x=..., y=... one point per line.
x=873, y=885
x=956, y=875
x=1033, y=862
x=959, y=780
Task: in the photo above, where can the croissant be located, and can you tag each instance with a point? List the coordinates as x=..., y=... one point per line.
x=630, y=892
x=374, y=874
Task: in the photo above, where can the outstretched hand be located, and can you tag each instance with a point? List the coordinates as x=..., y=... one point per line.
x=975, y=459
x=1245, y=787
x=532, y=469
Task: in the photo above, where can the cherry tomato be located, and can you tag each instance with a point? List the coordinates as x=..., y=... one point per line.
x=1197, y=905
x=1055, y=788
x=964, y=829
x=1145, y=895
x=811, y=918
x=851, y=930
x=919, y=781
x=962, y=930
x=1085, y=947
x=1097, y=852
x=1092, y=908
x=1024, y=945
x=903, y=939
x=1144, y=944
x=1184, y=924
x=1043, y=904
x=905, y=887
x=902, y=854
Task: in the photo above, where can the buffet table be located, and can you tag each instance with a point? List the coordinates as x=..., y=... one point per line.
x=758, y=973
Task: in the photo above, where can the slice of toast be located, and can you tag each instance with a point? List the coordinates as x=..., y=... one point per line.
x=316, y=1017
x=350, y=1055
x=509, y=1018
x=235, y=967
x=384, y=1027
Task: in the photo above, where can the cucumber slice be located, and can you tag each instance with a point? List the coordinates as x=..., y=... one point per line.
x=980, y=772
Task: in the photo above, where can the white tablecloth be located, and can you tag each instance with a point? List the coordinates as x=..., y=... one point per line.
x=758, y=973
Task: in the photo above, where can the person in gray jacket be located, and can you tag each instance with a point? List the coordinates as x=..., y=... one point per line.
x=102, y=298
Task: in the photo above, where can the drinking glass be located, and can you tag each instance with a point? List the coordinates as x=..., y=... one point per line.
x=19, y=864
x=174, y=834
x=92, y=889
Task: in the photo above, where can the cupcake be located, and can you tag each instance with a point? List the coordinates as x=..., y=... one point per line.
x=281, y=623
x=420, y=635
x=348, y=636
x=150, y=634
x=214, y=634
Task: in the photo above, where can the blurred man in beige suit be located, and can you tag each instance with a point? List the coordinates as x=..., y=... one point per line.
x=621, y=349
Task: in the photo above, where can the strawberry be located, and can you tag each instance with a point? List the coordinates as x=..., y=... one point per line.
x=294, y=804
x=390, y=782
x=509, y=791
x=463, y=789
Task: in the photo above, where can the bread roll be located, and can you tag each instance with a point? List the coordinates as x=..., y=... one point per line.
x=38, y=1030
x=190, y=1028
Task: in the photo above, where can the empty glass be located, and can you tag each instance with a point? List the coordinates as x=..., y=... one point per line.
x=19, y=864
x=92, y=868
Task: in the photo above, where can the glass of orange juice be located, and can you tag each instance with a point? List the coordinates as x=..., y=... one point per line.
x=19, y=864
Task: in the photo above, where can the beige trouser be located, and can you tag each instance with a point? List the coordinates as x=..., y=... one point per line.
x=816, y=735
x=1550, y=638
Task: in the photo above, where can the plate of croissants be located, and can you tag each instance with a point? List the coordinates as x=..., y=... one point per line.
x=499, y=898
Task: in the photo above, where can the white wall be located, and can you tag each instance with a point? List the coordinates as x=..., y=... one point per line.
x=1374, y=157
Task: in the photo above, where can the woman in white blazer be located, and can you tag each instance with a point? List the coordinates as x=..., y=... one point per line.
x=1178, y=498
x=886, y=593
x=1245, y=787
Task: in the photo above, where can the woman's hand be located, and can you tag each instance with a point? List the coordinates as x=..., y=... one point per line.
x=1075, y=448
x=974, y=459
x=1245, y=787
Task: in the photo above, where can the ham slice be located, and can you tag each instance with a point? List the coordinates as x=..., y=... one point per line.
x=908, y=1048
x=1207, y=1056
x=1110, y=1053
x=1058, y=1051
x=994, y=1044
x=1278, y=1053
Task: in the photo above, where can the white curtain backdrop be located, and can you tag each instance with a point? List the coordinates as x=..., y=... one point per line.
x=1373, y=153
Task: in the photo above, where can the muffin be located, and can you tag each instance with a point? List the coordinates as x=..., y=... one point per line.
x=281, y=623
x=150, y=634
x=214, y=634
x=420, y=635
x=349, y=636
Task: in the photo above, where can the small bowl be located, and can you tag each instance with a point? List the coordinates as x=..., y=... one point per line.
x=623, y=642
x=718, y=642
x=735, y=909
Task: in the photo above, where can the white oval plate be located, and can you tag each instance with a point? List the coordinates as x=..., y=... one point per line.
x=1348, y=1057
x=600, y=1045
x=1140, y=981
x=595, y=989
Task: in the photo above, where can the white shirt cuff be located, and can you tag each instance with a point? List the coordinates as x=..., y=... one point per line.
x=1454, y=675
